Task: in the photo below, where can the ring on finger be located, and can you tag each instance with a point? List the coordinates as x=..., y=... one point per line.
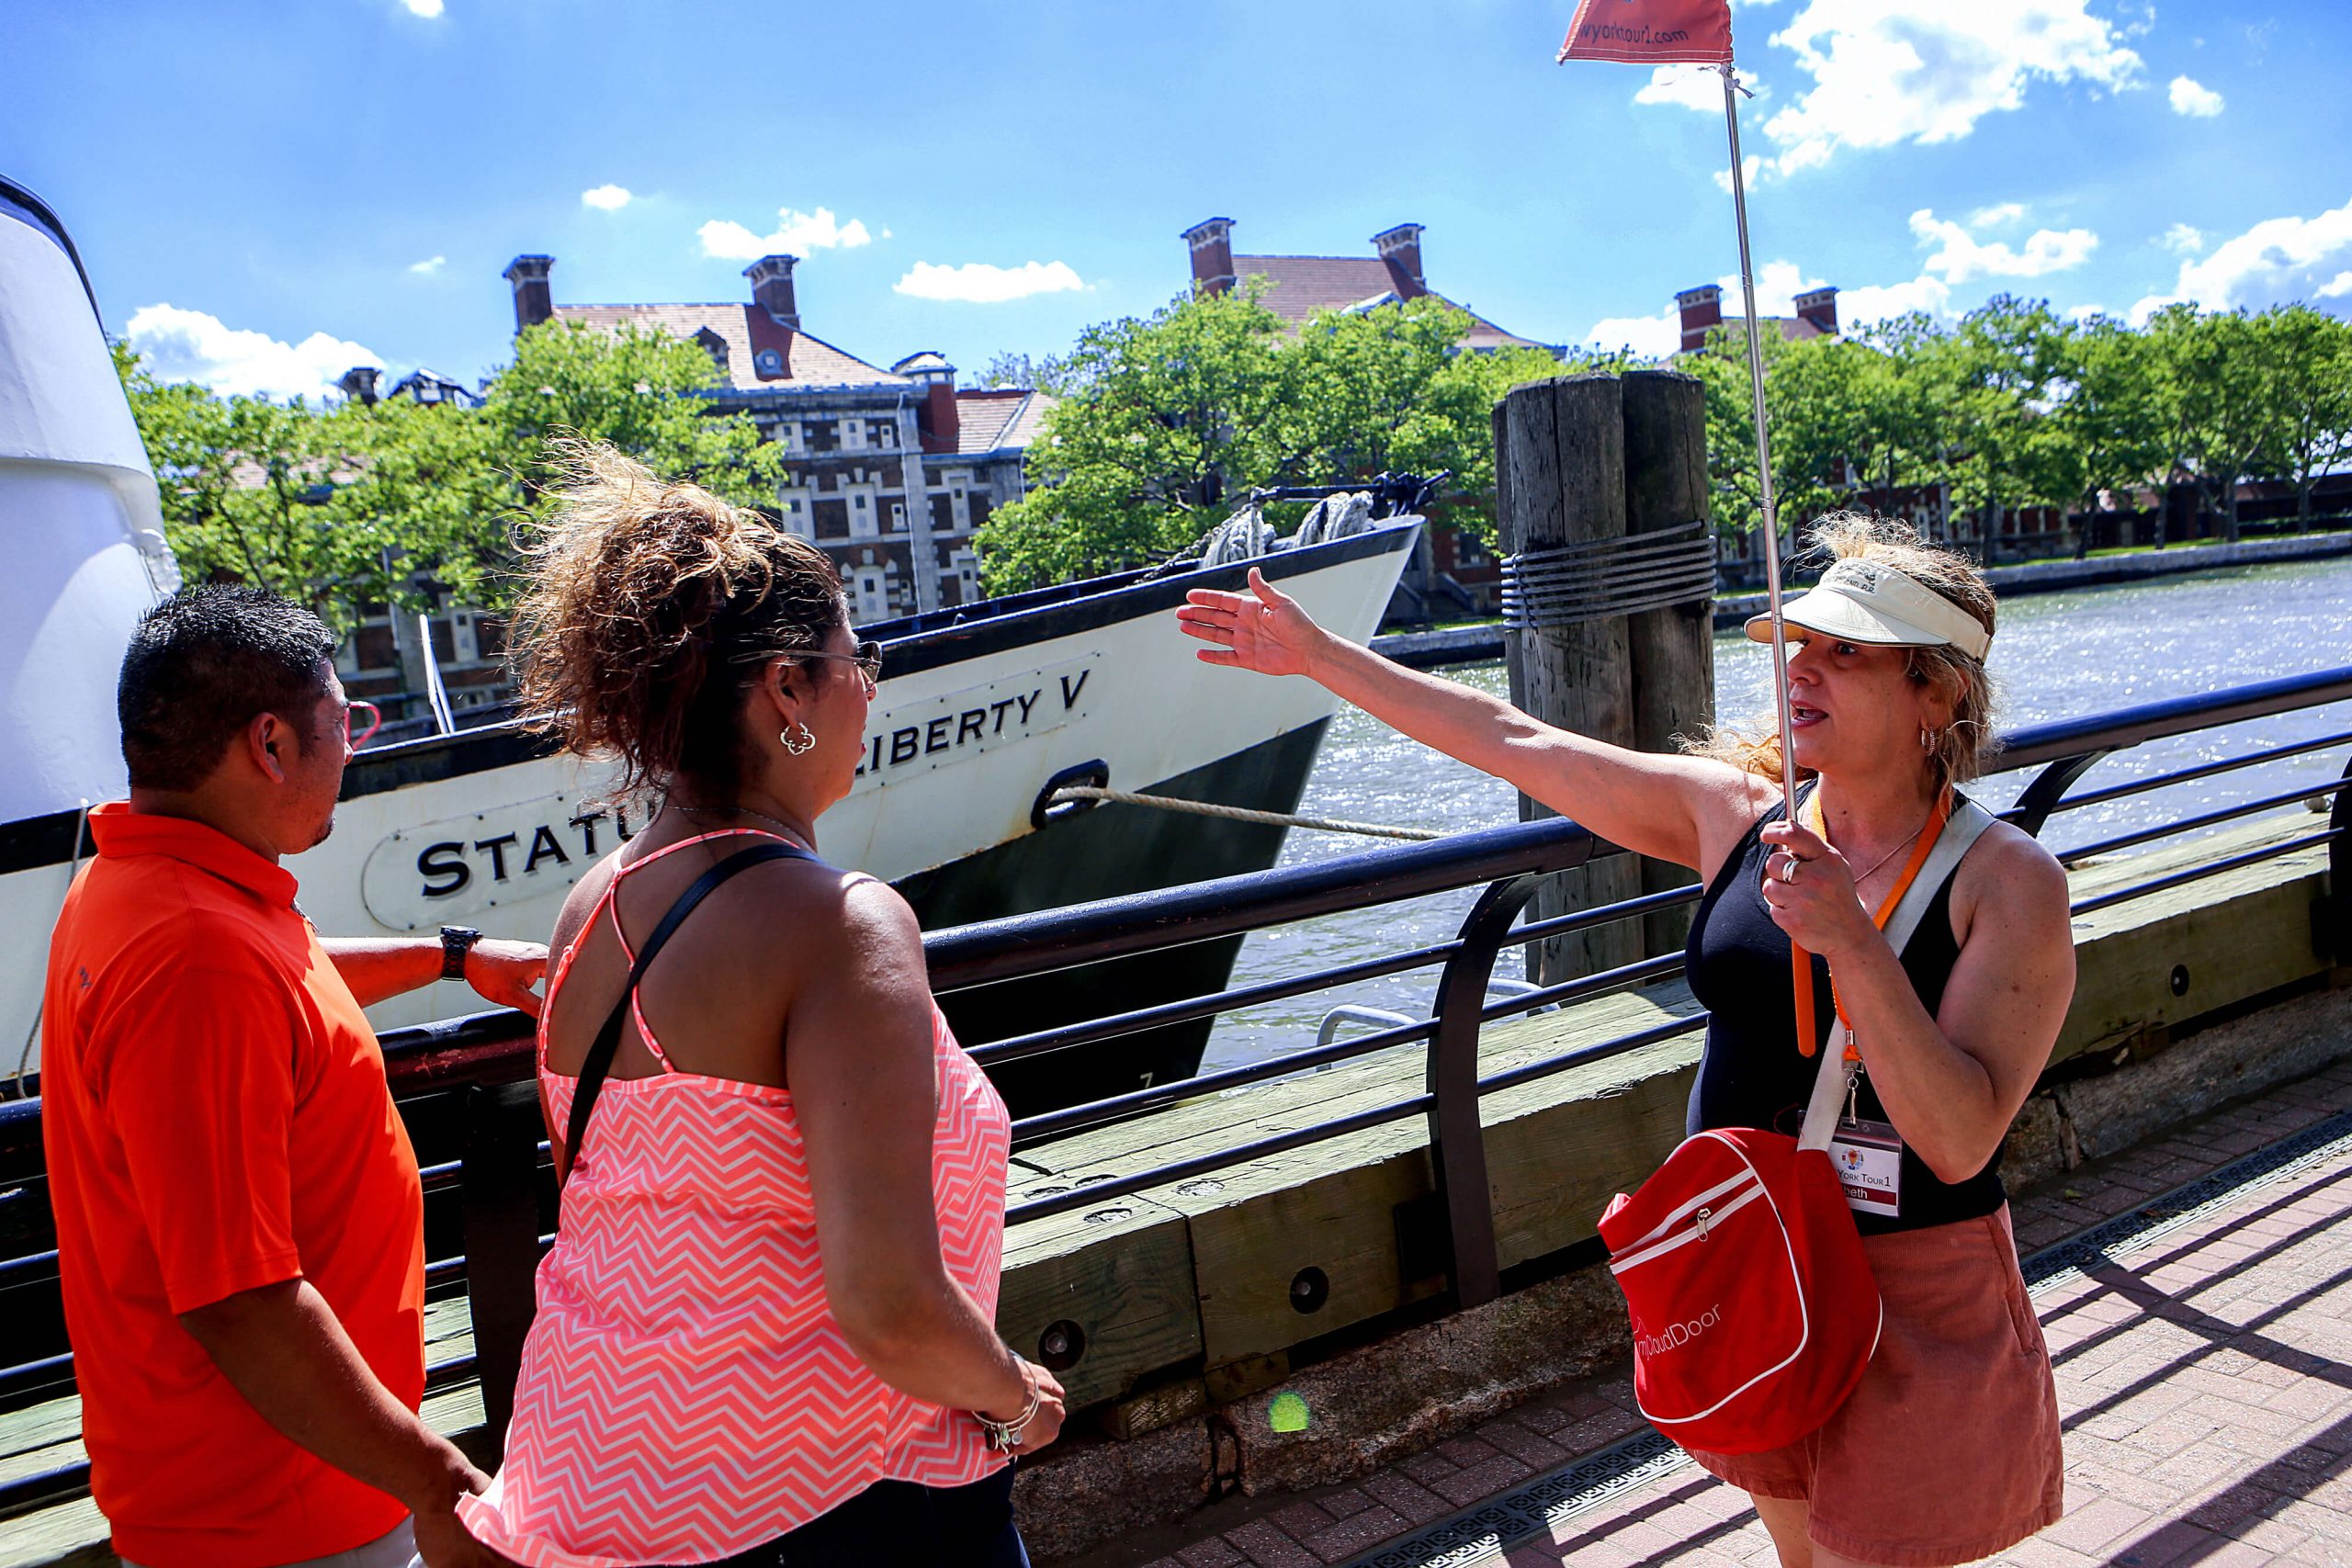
x=1789, y=868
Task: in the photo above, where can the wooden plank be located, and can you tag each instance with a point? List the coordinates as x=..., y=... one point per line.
x=2169, y=957
x=1121, y=1273
x=1558, y=1147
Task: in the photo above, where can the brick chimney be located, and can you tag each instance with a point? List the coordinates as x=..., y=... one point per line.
x=1701, y=308
x=1212, y=242
x=533, y=302
x=1401, y=248
x=1819, y=307
x=358, y=384
x=771, y=288
x=938, y=417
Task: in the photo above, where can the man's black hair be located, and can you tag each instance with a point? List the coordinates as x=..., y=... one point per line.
x=202, y=664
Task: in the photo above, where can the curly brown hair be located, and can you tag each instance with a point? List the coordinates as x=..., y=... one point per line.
x=651, y=609
x=1957, y=751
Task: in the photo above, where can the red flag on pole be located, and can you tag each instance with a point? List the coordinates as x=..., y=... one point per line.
x=1651, y=32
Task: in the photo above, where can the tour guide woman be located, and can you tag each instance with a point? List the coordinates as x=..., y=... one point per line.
x=1949, y=1449
x=764, y=1333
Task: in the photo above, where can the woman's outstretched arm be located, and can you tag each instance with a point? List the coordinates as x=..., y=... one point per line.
x=1684, y=810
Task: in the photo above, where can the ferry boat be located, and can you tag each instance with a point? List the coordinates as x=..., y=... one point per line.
x=984, y=711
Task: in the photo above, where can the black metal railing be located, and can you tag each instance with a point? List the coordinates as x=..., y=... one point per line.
x=465, y=1085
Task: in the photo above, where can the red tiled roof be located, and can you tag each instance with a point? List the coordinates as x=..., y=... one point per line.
x=1300, y=286
x=809, y=361
x=994, y=418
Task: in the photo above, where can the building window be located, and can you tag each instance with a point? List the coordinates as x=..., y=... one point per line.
x=884, y=432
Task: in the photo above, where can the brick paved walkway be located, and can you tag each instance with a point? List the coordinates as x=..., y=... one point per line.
x=2205, y=1379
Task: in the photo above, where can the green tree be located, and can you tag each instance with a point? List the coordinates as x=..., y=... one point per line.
x=1167, y=415
x=405, y=505
x=243, y=482
x=2108, y=421
x=2310, y=371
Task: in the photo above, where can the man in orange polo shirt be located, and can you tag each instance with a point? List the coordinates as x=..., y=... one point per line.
x=240, y=1224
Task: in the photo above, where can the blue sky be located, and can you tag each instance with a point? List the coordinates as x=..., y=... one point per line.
x=267, y=193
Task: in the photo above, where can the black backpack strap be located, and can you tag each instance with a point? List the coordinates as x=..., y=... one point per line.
x=599, y=1064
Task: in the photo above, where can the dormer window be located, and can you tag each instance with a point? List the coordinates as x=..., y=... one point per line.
x=710, y=343
x=769, y=364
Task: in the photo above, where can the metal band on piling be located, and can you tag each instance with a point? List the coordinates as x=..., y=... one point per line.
x=1627, y=576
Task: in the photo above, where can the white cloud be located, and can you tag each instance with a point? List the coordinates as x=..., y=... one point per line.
x=1751, y=168
x=2336, y=287
x=977, y=283
x=2183, y=239
x=423, y=8
x=1877, y=301
x=796, y=233
x=430, y=265
x=1653, y=338
x=1963, y=258
x=1777, y=284
x=610, y=198
x=2193, y=99
x=189, y=346
x=2276, y=260
x=1684, y=87
x=1997, y=216
x=1889, y=71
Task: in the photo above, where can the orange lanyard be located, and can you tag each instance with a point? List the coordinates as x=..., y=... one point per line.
x=1925, y=845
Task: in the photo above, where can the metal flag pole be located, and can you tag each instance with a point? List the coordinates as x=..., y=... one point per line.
x=1801, y=960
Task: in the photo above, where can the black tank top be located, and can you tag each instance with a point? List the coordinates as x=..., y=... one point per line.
x=1751, y=1073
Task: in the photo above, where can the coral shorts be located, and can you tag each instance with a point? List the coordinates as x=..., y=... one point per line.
x=1947, y=1451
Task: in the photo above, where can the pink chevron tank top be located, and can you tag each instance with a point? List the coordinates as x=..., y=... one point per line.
x=685, y=1393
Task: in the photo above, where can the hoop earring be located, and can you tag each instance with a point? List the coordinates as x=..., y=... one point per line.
x=799, y=740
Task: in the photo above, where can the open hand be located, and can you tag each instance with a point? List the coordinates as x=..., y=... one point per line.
x=504, y=972
x=1810, y=890
x=1263, y=630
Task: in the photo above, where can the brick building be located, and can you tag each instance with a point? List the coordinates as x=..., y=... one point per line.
x=1453, y=573
x=890, y=472
x=1297, y=287
x=1701, y=308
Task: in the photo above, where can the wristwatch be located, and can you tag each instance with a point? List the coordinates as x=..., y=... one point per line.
x=456, y=942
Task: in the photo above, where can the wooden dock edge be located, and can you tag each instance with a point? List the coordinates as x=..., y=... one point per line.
x=2186, y=1000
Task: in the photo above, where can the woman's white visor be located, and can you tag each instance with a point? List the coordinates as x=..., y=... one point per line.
x=1860, y=601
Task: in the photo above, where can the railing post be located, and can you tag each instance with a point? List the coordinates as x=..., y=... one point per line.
x=1457, y=1141
x=2049, y=788
x=501, y=1209
x=2339, y=871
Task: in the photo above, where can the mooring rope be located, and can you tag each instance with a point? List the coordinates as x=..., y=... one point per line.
x=1241, y=813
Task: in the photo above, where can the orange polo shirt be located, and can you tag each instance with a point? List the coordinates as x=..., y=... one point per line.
x=216, y=1117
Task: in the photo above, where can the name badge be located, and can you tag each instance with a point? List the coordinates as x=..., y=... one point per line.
x=1868, y=1156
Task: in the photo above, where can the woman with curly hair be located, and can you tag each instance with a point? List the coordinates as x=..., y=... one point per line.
x=765, y=1331
x=1947, y=1451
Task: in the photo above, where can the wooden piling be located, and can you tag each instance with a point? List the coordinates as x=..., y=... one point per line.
x=1673, y=649
x=1591, y=462
x=1560, y=480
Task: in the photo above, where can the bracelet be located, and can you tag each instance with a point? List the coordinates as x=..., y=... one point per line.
x=1005, y=1436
